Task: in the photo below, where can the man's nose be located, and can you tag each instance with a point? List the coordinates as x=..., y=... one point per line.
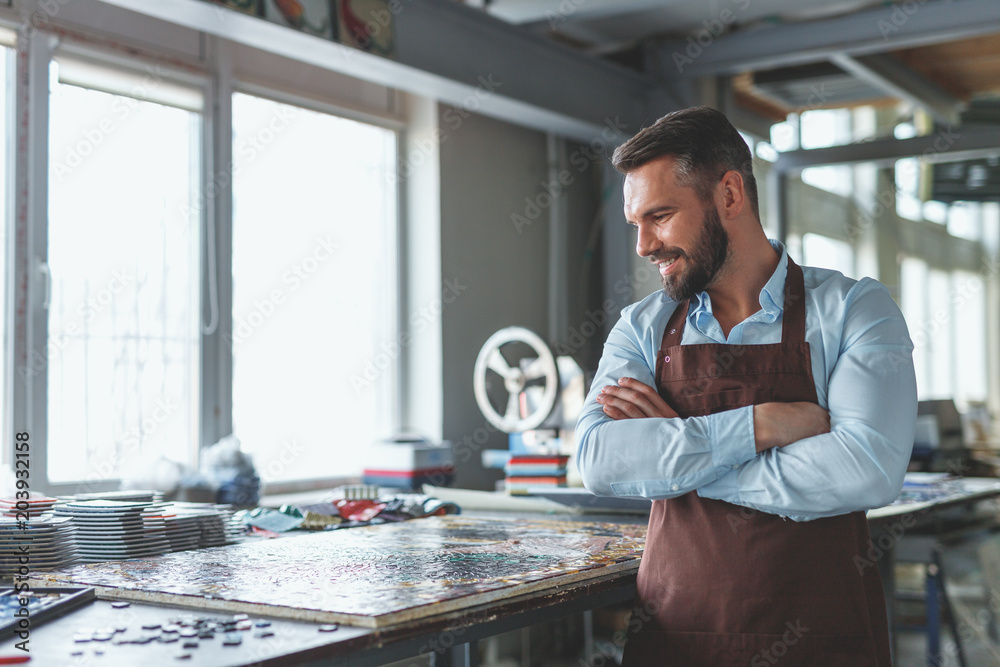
x=646, y=242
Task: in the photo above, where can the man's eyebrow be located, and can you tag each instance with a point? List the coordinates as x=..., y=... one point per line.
x=663, y=208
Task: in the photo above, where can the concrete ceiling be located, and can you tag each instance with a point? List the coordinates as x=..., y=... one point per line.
x=941, y=55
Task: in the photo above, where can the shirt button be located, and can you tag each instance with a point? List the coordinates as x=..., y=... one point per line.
x=666, y=358
x=674, y=487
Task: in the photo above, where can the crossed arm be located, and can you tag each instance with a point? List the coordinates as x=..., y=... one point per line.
x=799, y=460
x=774, y=424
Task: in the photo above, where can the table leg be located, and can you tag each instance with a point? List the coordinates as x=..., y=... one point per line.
x=887, y=570
x=461, y=655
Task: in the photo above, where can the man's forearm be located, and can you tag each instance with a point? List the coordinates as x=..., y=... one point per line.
x=660, y=458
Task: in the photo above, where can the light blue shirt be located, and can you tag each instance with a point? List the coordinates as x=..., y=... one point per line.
x=863, y=368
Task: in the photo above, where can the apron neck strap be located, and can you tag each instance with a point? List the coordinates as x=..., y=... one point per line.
x=793, y=321
x=675, y=326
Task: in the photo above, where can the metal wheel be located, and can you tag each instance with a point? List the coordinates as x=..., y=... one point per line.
x=524, y=382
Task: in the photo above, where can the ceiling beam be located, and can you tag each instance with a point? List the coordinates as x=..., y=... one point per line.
x=457, y=55
x=948, y=144
x=888, y=74
x=553, y=13
x=897, y=26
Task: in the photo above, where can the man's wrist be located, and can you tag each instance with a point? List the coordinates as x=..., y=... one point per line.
x=762, y=437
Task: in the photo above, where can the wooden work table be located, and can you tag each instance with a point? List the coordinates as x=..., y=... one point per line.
x=448, y=635
x=288, y=641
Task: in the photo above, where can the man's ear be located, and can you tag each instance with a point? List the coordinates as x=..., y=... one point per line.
x=731, y=193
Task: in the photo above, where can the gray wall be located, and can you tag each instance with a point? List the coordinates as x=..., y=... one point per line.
x=488, y=171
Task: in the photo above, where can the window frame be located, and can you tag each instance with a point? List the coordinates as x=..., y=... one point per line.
x=26, y=398
x=35, y=54
x=285, y=95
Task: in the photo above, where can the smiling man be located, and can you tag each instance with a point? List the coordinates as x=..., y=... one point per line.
x=762, y=406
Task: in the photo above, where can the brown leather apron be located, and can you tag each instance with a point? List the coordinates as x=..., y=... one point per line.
x=721, y=584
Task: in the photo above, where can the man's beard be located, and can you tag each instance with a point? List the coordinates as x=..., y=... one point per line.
x=703, y=262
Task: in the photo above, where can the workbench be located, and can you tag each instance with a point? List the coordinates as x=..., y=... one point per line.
x=917, y=533
x=449, y=635
x=301, y=643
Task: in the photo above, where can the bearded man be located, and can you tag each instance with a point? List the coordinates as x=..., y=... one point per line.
x=761, y=406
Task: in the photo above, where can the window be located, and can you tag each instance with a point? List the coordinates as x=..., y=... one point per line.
x=828, y=253
x=965, y=220
x=123, y=332
x=820, y=129
x=908, y=202
x=946, y=316
x=314, y=270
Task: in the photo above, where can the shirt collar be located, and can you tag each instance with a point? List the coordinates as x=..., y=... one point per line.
x=772, y=296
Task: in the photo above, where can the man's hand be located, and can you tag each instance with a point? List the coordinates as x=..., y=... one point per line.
x=632, y=399
x=780, y=424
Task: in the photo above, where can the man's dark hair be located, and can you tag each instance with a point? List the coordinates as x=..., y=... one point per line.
x=704, y=144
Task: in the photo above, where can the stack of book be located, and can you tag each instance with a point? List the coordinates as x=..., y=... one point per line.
x=527, y=472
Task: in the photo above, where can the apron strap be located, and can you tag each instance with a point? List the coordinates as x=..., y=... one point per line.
x=675, y=325
x=793, y=320
x=672, y=334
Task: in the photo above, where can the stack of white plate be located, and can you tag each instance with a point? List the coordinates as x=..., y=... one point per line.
x=116, y=530
x=199, y=525
x=183, y=529
x=127, y=496
x=46, y=543
x=33, y=506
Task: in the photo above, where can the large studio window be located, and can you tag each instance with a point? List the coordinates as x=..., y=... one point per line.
x=821, y=128
x=828, y=253
x=945, y=312
x=123, y=330
x=314, y=288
